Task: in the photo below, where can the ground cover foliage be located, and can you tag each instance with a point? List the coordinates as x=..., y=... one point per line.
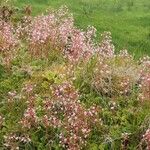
x=61, y=88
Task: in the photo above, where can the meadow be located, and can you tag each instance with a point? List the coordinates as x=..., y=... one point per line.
x=68, y=85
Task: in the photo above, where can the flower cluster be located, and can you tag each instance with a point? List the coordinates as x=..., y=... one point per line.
x=8, y=41
x=106, y=48
x=23, y=27
x=81, y=44
x=11, y=96
x=30, y=118
x=56, y=30
x=7, y=38
x=63, y=111
x=145, y=79
x=28, y=88
x=115, y=75
x=102, y=77
x=12, y=141
x=66, y=112
x=50, y=31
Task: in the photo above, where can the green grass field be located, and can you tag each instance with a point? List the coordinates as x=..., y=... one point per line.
x=128, y=21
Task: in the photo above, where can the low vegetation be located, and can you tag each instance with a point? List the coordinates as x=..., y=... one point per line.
x=61, y=88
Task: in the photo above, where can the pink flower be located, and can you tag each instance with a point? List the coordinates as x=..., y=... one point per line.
x=30, y=119
x=146, y=137
x=66, y=112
